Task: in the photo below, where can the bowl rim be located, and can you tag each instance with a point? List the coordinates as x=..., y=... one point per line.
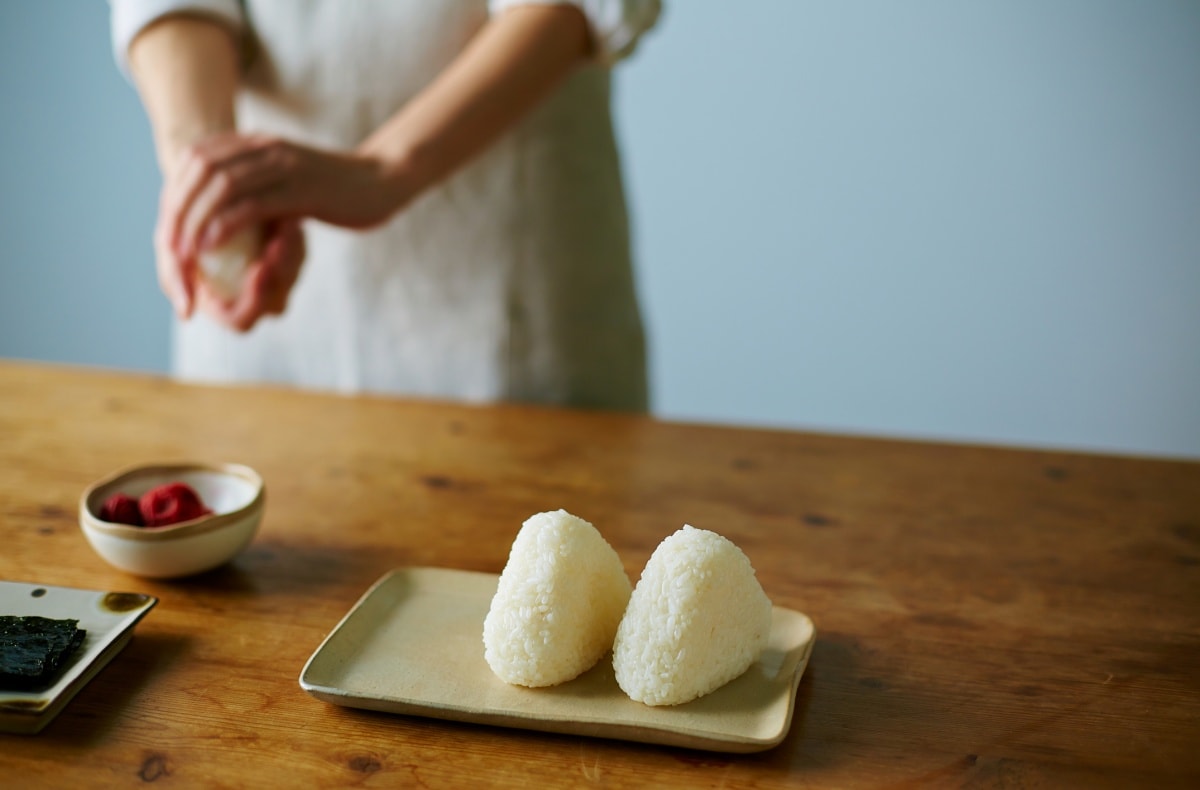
x=89, y=502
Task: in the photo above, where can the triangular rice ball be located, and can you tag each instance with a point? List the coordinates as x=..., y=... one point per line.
x=697, y=619
x=558, y=602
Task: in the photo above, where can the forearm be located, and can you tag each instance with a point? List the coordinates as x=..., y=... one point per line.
x=186, y=71
x=512, y=63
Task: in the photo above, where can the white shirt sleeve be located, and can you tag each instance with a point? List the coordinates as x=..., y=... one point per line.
x=616, y=24
x=130, y=17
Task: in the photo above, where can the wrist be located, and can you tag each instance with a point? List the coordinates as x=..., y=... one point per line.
x=402, y=175
x=172, y=142
x=186, y=72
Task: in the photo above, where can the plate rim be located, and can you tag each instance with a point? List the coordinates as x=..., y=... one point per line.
x=607, y=728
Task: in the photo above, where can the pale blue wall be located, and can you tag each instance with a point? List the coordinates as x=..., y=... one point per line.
x=78, y=191
x=977, y=221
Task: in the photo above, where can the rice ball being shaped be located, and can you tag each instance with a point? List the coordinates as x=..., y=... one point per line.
x=697, y=619
x=558, y=603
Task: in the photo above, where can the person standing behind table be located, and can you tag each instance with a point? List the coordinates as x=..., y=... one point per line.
x=437, y=186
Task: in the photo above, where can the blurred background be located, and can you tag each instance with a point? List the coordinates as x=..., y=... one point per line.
x=968, y=221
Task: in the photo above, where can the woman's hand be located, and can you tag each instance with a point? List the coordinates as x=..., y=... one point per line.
x=229, y=182
x=267, y=283
x=265, y=286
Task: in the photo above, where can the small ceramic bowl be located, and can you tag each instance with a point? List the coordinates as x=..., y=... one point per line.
x=234, y=493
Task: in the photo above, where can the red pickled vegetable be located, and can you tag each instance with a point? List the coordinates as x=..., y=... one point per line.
x=122, y=509
x=171, y=503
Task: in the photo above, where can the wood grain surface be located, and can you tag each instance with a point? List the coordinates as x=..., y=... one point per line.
x=985, y=617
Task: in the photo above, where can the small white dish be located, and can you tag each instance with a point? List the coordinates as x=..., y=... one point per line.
x=235, y=493
x=413, y=644
x=108, y=618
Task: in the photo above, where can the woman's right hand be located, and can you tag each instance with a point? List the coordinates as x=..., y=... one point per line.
x=176, y=274
x=268, y=281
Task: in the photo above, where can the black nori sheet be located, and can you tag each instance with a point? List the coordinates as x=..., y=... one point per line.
x=34, y=649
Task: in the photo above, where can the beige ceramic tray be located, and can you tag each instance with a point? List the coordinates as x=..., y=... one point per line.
x=413, y=644
x=108, y=618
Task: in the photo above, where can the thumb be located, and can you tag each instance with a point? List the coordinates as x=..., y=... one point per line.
x=185, y=303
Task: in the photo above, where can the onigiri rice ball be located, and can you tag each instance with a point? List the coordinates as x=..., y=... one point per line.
x=558, y=602
x=697, y=619
x=225, y=267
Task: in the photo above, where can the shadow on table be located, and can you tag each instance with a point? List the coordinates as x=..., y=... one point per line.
x=100, y=705
x=284, y=570
x=838, y=704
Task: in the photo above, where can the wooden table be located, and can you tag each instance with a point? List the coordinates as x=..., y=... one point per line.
x=985, y=617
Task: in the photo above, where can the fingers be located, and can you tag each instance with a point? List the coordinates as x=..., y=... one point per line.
x=268, y=204
x=230, y=182
x=217, y=173
x=176, y=276
x=268, y=282
x=244, y=310
x=243, y=181
x=189, y=175
x=216, y=188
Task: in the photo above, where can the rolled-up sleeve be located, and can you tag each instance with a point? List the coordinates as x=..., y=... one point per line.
x=616, y=25
x=130, y=17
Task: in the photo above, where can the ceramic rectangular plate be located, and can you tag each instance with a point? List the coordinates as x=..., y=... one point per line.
x=108, y=618
x=413, y=644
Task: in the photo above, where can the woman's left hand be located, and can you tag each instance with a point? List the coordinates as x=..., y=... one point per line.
x=233, y=181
